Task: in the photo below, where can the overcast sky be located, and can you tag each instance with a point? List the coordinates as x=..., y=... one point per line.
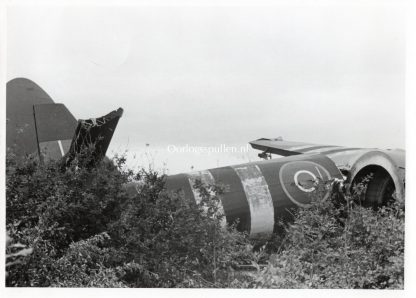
x=215, y=75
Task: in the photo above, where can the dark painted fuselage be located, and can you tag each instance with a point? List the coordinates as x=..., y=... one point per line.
x=258, y=194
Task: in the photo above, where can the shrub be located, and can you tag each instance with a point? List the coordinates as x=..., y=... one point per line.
x=178, y=242
x=48, y=208
x=333, y=245
x=88, y=263
x=79, y=227
x=85, y=230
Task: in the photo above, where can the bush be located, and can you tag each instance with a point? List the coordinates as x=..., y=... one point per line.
x=86, y=230
x=79, y=227
x=87, y=263
x=340, y=245
x=178, y=242
x=48, y=208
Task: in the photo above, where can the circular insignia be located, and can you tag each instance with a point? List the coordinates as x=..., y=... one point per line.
x=298, y=178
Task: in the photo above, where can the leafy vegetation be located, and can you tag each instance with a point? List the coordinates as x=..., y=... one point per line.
x=337, y=244
x=80, y=227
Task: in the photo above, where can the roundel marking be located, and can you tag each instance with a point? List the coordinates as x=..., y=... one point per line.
x=297, y=180
x=300, y=185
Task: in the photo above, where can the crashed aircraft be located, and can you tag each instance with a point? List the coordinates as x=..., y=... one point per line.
x=256, y=194
x=260, y=193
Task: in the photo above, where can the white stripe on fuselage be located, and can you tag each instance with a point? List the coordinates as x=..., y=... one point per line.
x=207, y=179
x=259, y=200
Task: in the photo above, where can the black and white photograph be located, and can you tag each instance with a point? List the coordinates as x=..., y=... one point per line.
x=206, y=145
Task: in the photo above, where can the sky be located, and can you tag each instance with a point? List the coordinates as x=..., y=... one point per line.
x=215, y=76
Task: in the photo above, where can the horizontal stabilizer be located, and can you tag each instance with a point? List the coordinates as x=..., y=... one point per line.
x=55, y=127
x=54, y=122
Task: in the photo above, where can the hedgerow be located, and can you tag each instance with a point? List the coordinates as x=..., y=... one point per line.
x=79, y=226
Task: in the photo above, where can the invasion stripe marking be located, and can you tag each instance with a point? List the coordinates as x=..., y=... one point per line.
x=341, y=150
x=207, y=179
x=306, y=150
x=179, y=183
x=346, y=152
x=259, y=200
x=298, y=148
x=234, y=199
x=322, y=150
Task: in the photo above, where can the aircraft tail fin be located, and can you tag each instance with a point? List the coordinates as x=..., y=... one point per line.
x=54, y=126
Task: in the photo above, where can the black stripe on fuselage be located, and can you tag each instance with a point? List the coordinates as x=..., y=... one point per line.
x=179, y=184
x=234, y=199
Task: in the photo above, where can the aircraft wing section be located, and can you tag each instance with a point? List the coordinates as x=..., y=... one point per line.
x=287, y=148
